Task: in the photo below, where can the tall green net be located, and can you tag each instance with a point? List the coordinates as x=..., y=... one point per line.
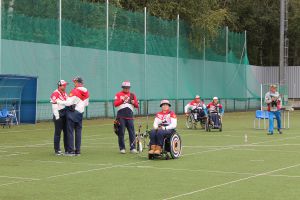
x=107, y=45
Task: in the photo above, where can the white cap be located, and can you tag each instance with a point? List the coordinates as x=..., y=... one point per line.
x=165, y=101
x=215, y=98
x=197, y=97
x=126, y=84
x=62, y=83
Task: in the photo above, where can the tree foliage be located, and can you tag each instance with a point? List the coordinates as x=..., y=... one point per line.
x=260, y=18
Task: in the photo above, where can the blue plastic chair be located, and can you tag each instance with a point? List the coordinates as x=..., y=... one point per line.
x=6, y=118
x=4, y=113
x=260, y=115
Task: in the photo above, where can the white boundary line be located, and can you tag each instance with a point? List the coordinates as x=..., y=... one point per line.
x=51, y=128
x=15, y=182
x=246, y=145
x=23, y=178
x=230, y=182
x=14, y=154
x=69, y=163
x=48, y=143
x=208, y=171
x=96, y=169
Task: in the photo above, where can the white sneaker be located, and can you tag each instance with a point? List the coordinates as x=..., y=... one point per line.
x=122, y=151
x=133, y=151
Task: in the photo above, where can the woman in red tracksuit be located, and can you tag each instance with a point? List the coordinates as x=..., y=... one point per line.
x=164, y=125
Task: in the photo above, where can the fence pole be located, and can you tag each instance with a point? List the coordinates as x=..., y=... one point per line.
x=226, y=44
x=204, y=70
x=177, y=65
x=0, y=36
x=107, y=81
x=145, y=53
x=60, y=42
x=261, y=97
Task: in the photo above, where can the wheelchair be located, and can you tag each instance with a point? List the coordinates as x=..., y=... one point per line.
x=209, y=125
x=195, y=118
x=172, y=148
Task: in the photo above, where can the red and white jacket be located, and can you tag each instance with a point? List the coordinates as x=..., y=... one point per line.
x=79, y=97
x=215, y=108
x=57, y=95
x=269, y=97
x=167, y=120
x=124, y=106
x=193, y=105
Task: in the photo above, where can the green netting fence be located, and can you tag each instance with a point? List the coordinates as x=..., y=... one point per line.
x=106, y=45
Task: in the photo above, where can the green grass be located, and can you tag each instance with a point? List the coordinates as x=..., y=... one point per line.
x=214, y=165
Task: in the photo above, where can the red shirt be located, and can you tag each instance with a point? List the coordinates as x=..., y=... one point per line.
x=58, y=94
x=123, y=104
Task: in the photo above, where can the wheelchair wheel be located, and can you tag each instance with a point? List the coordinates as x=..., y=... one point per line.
x=206, y=125
x=175, y=146
x=139, y=147
x=189, y=122
x=150, y=156
x=220, y=128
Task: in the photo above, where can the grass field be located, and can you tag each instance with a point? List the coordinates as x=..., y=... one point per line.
x=214, y=165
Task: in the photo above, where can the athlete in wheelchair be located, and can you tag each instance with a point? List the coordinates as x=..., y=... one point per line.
x=195, y=112
x=215, y=113
x=163, y=136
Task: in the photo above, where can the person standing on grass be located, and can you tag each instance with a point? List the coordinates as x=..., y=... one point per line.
x=125, y=102
x=273, y=100
x=77, y=101
x=59, y=116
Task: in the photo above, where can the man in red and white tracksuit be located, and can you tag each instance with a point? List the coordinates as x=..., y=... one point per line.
x=196, y=106
x=125, y=102
x=59, y=116
x=77, y=101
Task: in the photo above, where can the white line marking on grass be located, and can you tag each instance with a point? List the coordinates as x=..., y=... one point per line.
x=14, y=154
x=200, y=152
x=265, y=150
x=24, y=146
x=52, y=128
x=74, y=163
x=92, y=170
x=48, y=143
x=209, y=171
x=230, y=182
x=11, y=183
x=23, y=178
x=241, y=145
x=188, y=170
x=283, y=175
x=233, y=146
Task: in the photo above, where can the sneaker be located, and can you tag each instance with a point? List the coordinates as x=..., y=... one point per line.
x=58, y=153
x=122, y=151
x=69, y=154
x=279, y=131
x=77, y=153
x=133, y=151
x=270, y=133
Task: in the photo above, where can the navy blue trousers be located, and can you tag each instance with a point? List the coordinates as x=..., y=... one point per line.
x=126, y=123
x=74, y=123
x=216, y=119
x=157, y=136
x=60, y=125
